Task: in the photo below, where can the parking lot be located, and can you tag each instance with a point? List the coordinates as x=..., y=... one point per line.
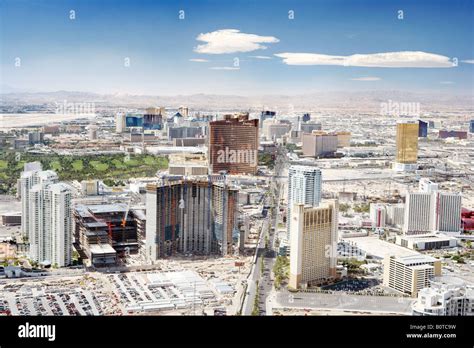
x=353, y=285
x=178, y=287
x=37, y=297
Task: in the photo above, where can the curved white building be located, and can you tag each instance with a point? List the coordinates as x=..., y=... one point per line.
x=447, y=295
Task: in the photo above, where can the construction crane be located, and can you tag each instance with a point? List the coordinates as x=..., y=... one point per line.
x=124, y=224
x=125, y=215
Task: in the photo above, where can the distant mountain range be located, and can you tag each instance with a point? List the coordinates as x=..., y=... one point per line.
x=362, y=100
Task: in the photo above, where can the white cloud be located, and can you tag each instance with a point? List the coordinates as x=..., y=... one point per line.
x=406, y=59
x=261, y=57
x=225, y=68
x=368, y=78
x=447, y=82
x=468, y=61
x=231, y=41
x=198, y=60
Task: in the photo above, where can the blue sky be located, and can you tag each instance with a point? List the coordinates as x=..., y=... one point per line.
x=89, y=52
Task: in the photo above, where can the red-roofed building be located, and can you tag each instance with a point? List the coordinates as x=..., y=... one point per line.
x=467, y=218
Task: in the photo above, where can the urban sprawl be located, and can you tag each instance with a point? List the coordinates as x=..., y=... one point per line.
x=186, y=211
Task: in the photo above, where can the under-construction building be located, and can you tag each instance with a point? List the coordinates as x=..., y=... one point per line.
x=104, y=232
x=139, y=217
x=198, y=217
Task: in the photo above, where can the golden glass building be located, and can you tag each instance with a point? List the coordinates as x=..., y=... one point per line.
x=407, y=142
x=313, y=243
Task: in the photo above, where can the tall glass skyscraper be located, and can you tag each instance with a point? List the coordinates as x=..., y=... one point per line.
x=422, y=129
x=304, y=187
x=407, y=145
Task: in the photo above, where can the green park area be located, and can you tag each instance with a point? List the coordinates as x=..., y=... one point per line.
x=103, y=167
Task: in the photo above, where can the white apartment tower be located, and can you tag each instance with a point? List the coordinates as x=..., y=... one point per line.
x=304, y=186
x=395, y=214
x=418, y=208
x=32, y=175
x=447, y=212
x=120, y=122
x=427, y=186
x=431, y=210
x=50, y=223
x=313, y=243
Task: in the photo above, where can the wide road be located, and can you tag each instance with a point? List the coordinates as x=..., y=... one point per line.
x=265, y=251
x=255, y=273
x=344, y=302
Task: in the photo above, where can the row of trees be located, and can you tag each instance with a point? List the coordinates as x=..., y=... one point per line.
x=266, y=159
x=358, y=208
x=256, y=310
x=281, y=269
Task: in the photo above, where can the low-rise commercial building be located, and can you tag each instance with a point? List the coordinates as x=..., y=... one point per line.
x=444, y=134
x=11, y=219
x=187, y=164
x=426, y=241
x=90, y=187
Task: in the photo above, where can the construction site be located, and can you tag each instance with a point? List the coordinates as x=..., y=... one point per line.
x=104, y=233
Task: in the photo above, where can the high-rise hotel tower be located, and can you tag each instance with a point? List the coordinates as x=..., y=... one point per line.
x=407, y=145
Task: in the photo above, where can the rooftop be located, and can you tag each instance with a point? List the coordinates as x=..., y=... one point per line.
x=378, y=248
x=413, y=259
x=101, y=249
x=84, y=210
x=428, y=237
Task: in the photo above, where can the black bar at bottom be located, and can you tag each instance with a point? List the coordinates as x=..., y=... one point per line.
x=291, y=331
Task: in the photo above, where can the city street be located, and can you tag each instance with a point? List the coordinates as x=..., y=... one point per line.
x=266, y=253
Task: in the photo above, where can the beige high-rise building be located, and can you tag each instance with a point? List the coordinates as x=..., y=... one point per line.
x=319, y=144
x=410, y=274
x=273, y=129
x=313, y=241
x=156, y=111
x=120, y=124
x=343, y=139
x=183, y=110
x=407, y=145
